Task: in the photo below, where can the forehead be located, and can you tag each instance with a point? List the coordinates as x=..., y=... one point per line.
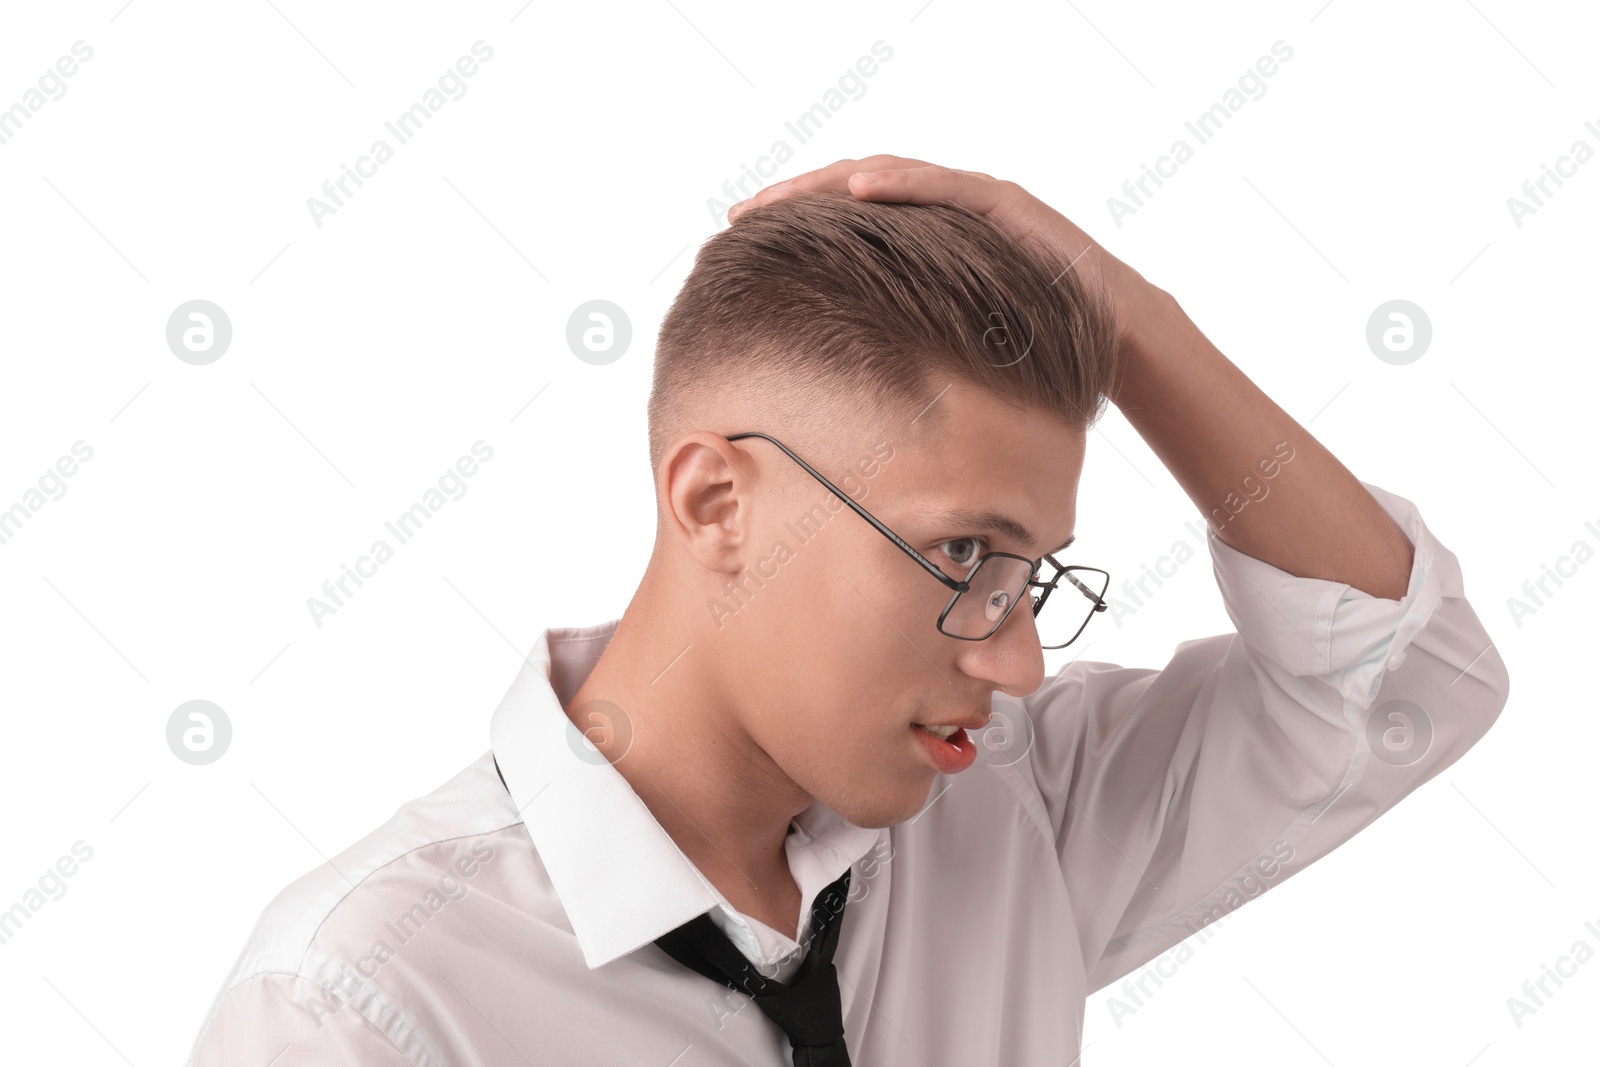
x=967, y=433
x=984, y=464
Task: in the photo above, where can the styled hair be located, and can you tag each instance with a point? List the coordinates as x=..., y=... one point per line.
x=825, y=301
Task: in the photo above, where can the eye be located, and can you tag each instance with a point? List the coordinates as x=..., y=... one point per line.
x=971, y=550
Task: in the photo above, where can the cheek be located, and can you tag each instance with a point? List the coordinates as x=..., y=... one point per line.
x=863, y=637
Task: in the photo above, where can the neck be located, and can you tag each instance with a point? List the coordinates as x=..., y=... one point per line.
x=669, y=728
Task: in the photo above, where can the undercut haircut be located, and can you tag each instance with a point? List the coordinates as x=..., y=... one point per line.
x=821, y=302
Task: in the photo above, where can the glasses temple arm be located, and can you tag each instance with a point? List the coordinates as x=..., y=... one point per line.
x=927, y=564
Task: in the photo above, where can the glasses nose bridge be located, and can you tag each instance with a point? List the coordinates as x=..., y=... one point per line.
x=1045, y=587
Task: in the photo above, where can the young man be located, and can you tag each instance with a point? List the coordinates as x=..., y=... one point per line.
x=867, y=428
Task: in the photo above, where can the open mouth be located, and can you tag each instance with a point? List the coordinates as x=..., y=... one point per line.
x=952, y=753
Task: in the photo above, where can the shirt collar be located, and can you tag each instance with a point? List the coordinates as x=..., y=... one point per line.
x=620, y=877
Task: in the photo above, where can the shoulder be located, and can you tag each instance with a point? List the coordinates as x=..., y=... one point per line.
x=304, y=956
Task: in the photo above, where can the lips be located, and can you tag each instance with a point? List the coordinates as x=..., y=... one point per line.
x=949, y=757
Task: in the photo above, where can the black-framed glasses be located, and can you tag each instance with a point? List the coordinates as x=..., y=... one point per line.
x=983, y=599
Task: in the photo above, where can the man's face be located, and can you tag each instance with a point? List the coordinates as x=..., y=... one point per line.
x=837, y=652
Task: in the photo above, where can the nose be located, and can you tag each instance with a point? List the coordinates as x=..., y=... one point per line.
x=1011, y=659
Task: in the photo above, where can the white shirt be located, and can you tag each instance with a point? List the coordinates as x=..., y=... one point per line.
x=1149, y=803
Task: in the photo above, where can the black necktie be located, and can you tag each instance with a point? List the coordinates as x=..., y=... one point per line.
x=808, y=1008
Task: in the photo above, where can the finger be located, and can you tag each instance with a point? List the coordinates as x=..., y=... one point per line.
x=933, y=185
x=920, y=183
x=832, y=178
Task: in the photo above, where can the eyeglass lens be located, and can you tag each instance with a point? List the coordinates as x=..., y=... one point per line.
x=1001, y=580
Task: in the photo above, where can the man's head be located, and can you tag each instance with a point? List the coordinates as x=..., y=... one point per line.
x=924, y=362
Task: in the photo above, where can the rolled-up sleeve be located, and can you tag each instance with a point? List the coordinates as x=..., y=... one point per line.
x=1176, y=795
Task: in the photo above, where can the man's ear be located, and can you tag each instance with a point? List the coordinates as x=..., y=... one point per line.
x=705, y=485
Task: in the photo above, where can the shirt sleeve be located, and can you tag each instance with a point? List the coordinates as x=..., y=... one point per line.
x=287, y=1020
x=1176, y=795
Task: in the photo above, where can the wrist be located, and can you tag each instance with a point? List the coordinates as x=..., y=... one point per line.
x=1147, y=318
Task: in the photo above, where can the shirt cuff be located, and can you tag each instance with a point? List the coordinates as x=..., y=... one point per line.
x=1310, y=627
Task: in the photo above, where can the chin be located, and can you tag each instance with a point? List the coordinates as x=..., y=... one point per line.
x=886, y=812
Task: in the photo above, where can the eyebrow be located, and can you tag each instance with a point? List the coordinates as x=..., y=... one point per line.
x=997, y=523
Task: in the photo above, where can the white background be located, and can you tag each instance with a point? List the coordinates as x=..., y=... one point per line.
x=430, y=312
